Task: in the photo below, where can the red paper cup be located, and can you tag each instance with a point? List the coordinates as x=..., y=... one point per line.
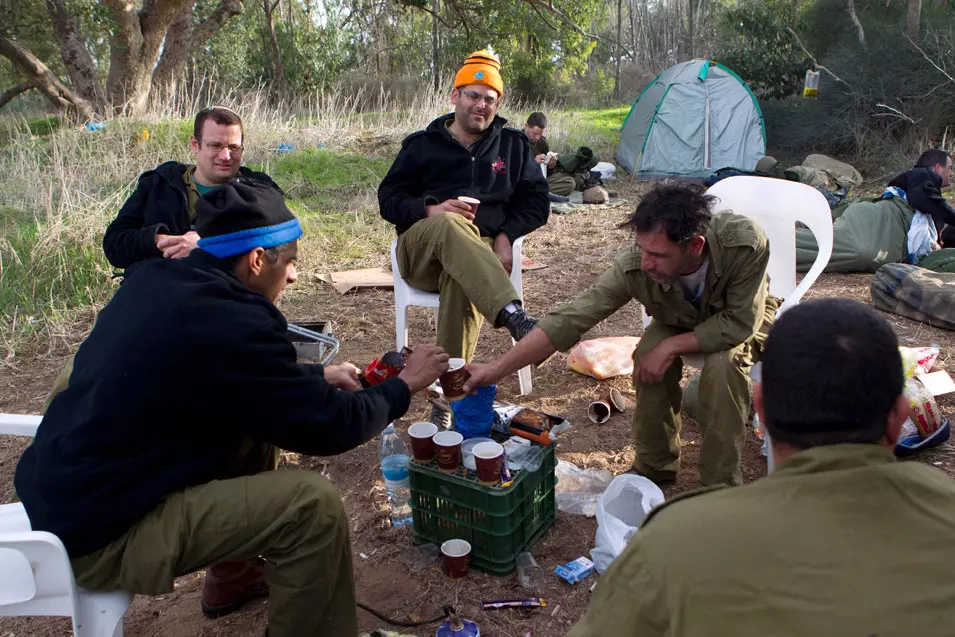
x=471, y=201
x=457, y=554
x=422, y=440
x=452, y=381
x=447, y=447
x=489, y=457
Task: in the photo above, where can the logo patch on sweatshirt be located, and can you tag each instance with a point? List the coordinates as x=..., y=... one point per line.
x=499, y=167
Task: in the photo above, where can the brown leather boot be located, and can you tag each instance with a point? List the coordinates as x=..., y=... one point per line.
x=228, y=585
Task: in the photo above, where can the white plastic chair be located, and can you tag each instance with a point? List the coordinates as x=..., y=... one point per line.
x=777, y=205
x=406, y=296
x=35, y=573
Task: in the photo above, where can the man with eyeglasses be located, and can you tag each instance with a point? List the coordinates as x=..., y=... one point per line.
x=158, y=220
x=463, y=250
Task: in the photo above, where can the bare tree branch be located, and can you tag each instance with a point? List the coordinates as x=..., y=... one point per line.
x=43, y=79
x=814, y=62
x=13, y=91
x=855, y=20
x=930, y=60
x=894, y=112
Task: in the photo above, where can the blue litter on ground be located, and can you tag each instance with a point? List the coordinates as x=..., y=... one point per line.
x=912, y=445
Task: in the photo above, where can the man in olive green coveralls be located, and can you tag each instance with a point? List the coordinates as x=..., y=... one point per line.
x=840, y=540
x=703, y=280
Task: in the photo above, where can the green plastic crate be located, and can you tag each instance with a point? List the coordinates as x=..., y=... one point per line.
x=499, y=523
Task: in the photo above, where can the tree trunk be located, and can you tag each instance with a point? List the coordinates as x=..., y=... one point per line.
x=268, y=7
x=435, y=46
x=176, y=51
x=43, y=79
x=914, y=19
x=136, y=43
x=616, y=76
x=633, y=34
x=691, y=24
x=183, y=40
x=76, y=57
x=291, y=47
x=855, y=20
x=7, y=96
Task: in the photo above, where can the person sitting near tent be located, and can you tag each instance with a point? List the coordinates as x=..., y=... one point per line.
x=536, y=128
x=573, y=171
x=891, y=228
x=462, y=250
x=703, y=280
x=921, y=188
x=155, y=461
x=814, y=548
x=158, y=220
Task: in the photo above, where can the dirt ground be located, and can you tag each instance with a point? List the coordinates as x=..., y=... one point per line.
x=388, y=570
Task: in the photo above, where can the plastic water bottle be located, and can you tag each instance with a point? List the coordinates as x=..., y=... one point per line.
x=394, y=468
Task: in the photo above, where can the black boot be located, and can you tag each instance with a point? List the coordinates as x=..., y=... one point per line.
x=518, y=322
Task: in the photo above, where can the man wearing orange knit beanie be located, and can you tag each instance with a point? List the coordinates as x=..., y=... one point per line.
x=459, y=249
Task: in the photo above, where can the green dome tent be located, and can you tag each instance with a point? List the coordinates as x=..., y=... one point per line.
x=694, y=118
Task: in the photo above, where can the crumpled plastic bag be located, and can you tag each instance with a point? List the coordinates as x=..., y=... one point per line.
x=918, y=360
x=604, y=358
x=620, y=512
x=578, y=489
x=926, y=416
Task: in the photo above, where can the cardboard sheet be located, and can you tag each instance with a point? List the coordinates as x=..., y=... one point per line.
x=938, y=383
x=343, y=282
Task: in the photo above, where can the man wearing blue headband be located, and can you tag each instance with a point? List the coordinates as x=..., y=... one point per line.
x=154, y=461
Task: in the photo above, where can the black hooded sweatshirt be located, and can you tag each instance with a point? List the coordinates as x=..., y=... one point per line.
x=923, y=190
x=184, y=364
x=499, y=170
x=160, y=204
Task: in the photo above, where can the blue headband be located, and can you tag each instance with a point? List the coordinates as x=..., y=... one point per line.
x=229, y=245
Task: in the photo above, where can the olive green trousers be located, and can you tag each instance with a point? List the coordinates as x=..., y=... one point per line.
x=446, y=254
x=724, y=404
x=294, y=519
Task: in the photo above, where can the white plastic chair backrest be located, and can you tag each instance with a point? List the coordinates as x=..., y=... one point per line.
x=777, y=204
x=19, y=424
x=48, y=588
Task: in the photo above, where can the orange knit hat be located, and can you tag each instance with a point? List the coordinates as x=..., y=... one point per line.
x=481, y=67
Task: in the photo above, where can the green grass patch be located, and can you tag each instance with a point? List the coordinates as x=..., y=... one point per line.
x=44, y=269
x=41, y=126
x=326, y=180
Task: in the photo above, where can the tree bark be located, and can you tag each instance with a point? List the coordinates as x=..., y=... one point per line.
x=183, y=40
x=914, y=19
x=135, y=45
x=76, y=58
x=176, y=51
x=43, y=79
x=435, y=46
x=268, y=8
x=633, y=35
x=7, y=96
x=616, y=74
x=291, y=47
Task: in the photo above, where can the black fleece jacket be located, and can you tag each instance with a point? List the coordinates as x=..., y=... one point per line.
x=923, y=190
x=499, y=170
x=159, y=205
x=182, y=366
